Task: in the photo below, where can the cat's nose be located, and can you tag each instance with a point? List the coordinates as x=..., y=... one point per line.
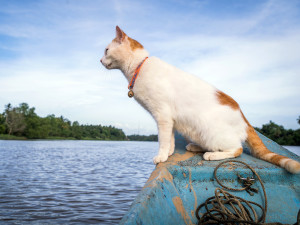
x=101, y=60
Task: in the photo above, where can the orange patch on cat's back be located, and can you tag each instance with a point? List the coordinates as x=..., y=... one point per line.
x=134, y=44
x=225, y=99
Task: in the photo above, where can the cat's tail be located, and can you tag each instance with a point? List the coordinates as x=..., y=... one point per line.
x=259, y=150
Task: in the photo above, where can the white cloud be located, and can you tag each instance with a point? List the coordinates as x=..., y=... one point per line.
x=252, y=56
x=260, y=73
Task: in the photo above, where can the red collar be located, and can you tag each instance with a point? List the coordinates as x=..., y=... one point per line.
x=136, y=73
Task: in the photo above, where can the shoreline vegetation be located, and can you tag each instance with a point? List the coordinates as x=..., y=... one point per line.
x=22, y=123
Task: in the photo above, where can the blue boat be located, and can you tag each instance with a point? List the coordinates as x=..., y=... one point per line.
x=177, y=187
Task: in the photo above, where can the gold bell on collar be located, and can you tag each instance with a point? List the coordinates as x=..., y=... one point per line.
x=130, y=94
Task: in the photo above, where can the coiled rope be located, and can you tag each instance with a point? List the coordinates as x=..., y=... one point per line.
x=225, y=208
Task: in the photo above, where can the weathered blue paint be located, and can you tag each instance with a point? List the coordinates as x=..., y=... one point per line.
x=178, y=186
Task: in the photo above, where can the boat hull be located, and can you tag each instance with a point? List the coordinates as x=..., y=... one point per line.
x=177, y=187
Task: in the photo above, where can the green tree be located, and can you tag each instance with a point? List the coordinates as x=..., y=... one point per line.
x=36, y=127
x=136, y=137
x=14, y=120
x=76, y=130
x=64, y=126
x=2, y=124
x=23, y=120
x=279, y=134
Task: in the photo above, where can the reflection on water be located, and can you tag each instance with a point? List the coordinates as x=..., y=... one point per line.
x=71, y=182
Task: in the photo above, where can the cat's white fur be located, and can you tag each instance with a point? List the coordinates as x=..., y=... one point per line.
x=178, y=101
x=182, y=102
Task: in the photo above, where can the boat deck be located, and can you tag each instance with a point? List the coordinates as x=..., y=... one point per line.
x=177, y=187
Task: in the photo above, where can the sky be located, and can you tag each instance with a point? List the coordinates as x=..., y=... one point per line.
x=50, y=52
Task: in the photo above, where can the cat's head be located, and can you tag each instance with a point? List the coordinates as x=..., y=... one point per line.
x=120, y=50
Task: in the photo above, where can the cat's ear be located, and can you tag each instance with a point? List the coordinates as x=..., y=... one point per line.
x=120, y=35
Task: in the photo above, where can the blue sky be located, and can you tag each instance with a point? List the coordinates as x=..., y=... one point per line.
x=50, y=52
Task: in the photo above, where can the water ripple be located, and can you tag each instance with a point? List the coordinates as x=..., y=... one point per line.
x=71, y=182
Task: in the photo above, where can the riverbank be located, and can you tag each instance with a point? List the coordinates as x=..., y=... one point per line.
x=129, y=138
x=11, y=137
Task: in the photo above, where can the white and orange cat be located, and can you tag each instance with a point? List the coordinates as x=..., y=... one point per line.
x=210, y=119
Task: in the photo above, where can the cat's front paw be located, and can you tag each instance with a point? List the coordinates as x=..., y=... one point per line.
x=160, y=158
x=171, y=151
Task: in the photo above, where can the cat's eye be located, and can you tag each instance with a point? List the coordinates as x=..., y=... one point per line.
x=106, y=51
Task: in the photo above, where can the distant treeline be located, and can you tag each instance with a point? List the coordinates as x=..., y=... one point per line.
x=22, y=121
x=136, y=137
x=279, y=134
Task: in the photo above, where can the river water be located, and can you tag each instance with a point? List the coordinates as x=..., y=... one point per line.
x=72, y=182
x=295, y=149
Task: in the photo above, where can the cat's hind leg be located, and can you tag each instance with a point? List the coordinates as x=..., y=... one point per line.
x=194, y=148
x=231, y=153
